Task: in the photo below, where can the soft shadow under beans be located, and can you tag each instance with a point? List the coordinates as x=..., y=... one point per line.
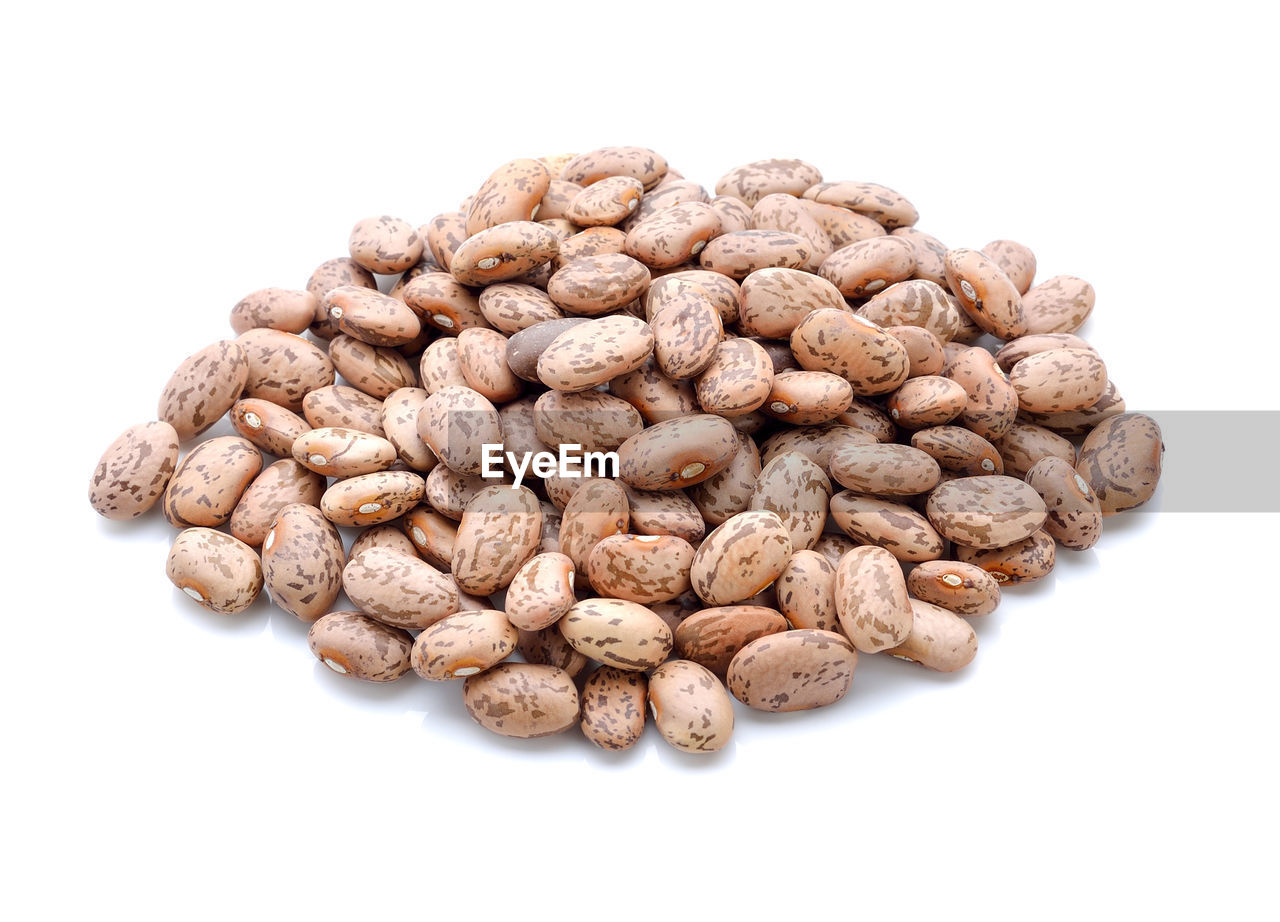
x=379, y=694
x=252, y=621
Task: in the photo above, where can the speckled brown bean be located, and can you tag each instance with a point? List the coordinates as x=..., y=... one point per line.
x=500, y=529
x=587, y=355
x=686, y=331
x=1015, y=260
x=216, y=570
x=930, y=253
x=267, y=425
x=397, y=589
x=455, y=423
x=594, y=241
x=640, y=568
x=276, y=308
x=738, y=379
x=832, y=547
x=929, y=400
x=134, y=470
x=482, y=356
x=1075, y=516
x=371, y=317
x=640, y=163
x=740, y=558
x=525, y=348
x=555, y=201
x=1060, y=380
x=863, y=268
x=548, y=647
x=677, y=453
x=522, y=700
x=885, y=470
x=672, y=236
x=992, y=405
x=208, y=482
x=940, y=640
x=590, y=419
x=986, y=512
x=337, y=452
x=668, y=512
x=463, y=644
x=958, y=587
x=653, y=394
x=870, y=418
x=915, y=303
x=511, y=193
x=607, y=202
x=371, y=499
x=959, y=451
x=1058, y=305
x=302, y=561
x=1081, y=422
x=691, y=708
x=283, y=368
x=375, y=370
x=329, y=275
x=203, y=388
x=798, y=491
x=871, y=360
x=284, y=482
x=1023, y=561
x=345, y=407
x=430, y=534
x=595, y=511
x=806, y=398
x=814, y=442
x=887, y=207
x=448, y=492
x=1014, y=351
x=503, y=252
x=440, y=366
x=782, y=212
x=400, y=423
x=728, y=492
x=713, y=636
x=388, y=536
x=722, y=290
x=806, y=591
x=753, y=181
x=985, y=293
x=385, y=244
x=443, y=235
x=793, y=671
x=1120, y=460
x=441, y=301
x=356, y=646
x=841, y=225
x=899, y=529
x=513, y=306
x=617, y=632
x=775, y=300
x=871, y=599
x=739, y=253
x=1025, y=444
x=541, y=592
x=591, y=285
x=613, y=707
x=669, y=193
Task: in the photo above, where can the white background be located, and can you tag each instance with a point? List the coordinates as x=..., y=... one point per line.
x=1108, y=755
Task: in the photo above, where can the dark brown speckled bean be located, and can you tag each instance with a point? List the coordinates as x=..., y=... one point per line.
x=775, y=300
x=888, y=208
x=1058, y=305
x=798, y=491
x=343, y=406
x=375, y=370
x=640, y=568
x=1120, y=460
x=613, y=707
x=738, y=379
x=371, y=499
x=739, y=253
x=985, y=293
x=277, y=308
x=863, y=268
x=640, y=163
x=503, y=252
x=541, y=592
x=1059, y=381
x=871, y=599
x=712, y=637
x=793, y=671
x=1075, y=515
x=884, y=469
x=512, y=306
x=593, y=285
x=397, y=589
x=216, y=570
x=455, y=422
x=672, y=236
x=677, y=453
x=371, y=316
x=385, y=244
x=992, y=405
x=751, y=182
x=960, y=451
x=329, y=275
x=358, y=647
x=806, y=591
x=134, y=470
x=871, y=360
x=585, y=356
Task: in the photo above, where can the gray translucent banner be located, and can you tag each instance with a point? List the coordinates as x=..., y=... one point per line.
x=1218, y=461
